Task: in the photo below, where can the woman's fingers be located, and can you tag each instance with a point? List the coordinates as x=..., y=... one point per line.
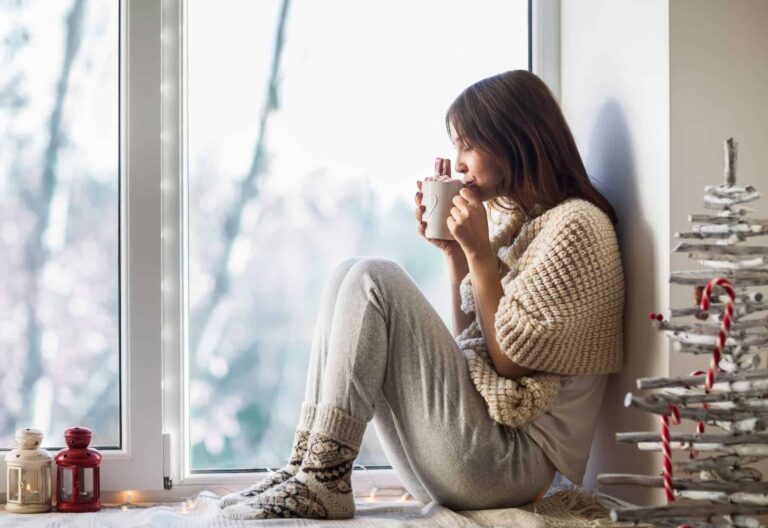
x=460, y=208
x=457, y=214
x=460, y=201
x=420, y=212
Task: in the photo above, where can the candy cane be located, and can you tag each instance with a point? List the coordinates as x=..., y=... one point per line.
x=709, y=381
x=724, y=328
x=667, y=450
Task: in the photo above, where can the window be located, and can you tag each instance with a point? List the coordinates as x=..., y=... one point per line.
x=80, y=308
x=138, y=305
x=59, y=219
x=278, y=193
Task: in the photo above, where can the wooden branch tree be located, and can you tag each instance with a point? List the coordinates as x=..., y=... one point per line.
x=730, y=394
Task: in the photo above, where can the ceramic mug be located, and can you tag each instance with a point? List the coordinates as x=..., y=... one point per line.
x=437, y=198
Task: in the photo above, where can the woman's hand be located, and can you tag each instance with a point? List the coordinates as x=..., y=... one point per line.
x=450, y=248
x=468, y=223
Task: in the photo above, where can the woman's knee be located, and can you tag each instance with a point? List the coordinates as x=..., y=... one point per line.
x=343, y=266
x=378, y=268
x=340, y=271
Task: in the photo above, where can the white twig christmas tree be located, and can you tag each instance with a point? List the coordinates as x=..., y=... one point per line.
x=728, y=325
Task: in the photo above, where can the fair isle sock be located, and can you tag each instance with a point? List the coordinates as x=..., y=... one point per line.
x=322, y=489
x=300, y=440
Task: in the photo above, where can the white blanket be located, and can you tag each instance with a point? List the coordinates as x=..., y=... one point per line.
x=565, y=508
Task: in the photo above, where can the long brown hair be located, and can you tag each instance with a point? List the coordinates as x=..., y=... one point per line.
x=514, y=119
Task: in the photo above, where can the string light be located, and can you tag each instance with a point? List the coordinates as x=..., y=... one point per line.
x=127, y=500
x=372, y=495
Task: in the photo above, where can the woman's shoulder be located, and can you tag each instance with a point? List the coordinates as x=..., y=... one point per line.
x=575, y=220
x=576, y=210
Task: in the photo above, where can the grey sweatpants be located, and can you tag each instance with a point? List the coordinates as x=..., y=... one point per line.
x=381, y=352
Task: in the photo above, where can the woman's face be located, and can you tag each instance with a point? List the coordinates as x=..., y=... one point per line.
x=480, y=173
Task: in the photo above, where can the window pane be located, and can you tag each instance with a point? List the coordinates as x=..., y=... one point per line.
x=358, y=118
x=59, y=320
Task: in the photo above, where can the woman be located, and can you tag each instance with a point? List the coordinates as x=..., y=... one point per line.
x=485, y=417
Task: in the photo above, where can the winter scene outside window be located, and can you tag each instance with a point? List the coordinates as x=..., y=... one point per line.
x=285, y=182
x=59, y=218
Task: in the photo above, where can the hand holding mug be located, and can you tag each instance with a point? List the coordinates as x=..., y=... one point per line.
x=433, y=206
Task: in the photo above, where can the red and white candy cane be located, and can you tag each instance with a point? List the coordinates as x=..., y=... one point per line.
x=724, y=328
x=667, y=450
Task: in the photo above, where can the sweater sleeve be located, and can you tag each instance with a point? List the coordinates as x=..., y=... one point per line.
x=559, y=313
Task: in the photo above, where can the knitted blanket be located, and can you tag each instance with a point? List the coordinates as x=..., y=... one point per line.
x=561, y=311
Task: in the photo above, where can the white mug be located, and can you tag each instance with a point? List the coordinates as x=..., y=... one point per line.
x=437, y=197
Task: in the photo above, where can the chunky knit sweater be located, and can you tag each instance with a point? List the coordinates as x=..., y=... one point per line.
x=561, y=311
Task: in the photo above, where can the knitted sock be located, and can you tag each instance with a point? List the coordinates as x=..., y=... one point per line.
x=322, y=489
x=300, y=440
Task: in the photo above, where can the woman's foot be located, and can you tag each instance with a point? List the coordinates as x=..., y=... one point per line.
x=299, y=449
x=322, y=488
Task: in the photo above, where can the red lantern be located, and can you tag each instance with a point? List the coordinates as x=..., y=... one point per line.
x=77, y=472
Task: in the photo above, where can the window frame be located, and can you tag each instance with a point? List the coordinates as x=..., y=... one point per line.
x=544, y=42
x=154, y=462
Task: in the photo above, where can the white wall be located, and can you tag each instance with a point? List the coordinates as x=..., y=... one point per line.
x=651, y=89
x=719, y=88
x=615, y=94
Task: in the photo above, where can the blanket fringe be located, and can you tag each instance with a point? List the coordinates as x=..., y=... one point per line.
x=573, y=506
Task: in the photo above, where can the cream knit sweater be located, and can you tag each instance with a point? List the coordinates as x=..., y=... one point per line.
x=561, y=311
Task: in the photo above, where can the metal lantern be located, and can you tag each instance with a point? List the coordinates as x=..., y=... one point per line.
x=77, y=473
x=29, y=474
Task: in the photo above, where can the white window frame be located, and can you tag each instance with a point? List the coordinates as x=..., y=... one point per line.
x=545, y=42
x=154, y=463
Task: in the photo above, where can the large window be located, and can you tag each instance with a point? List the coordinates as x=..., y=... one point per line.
x=59, y=219
x=304, y=148
x=177, y=181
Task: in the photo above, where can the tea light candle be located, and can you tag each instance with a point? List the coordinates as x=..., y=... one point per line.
x=32, y=493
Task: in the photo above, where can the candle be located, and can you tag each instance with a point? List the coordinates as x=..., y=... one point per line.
x=30, y=495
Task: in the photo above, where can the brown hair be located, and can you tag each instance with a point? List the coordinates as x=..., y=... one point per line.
x=514, y=119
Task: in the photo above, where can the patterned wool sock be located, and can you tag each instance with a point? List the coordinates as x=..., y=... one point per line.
x=322, y=489
x=300, y=440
